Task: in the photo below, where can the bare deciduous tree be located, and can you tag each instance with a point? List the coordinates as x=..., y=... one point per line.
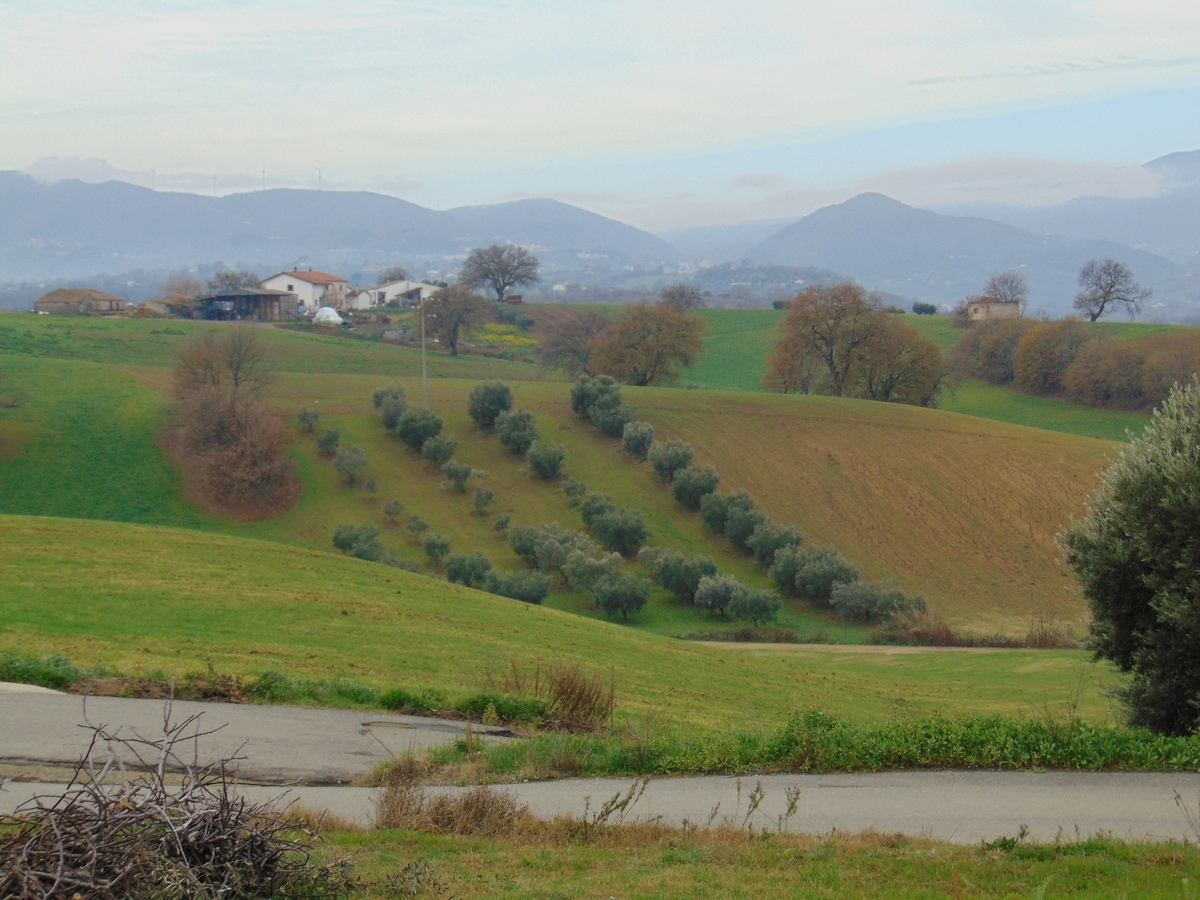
x=499, y=267
x=682, y=296
x=232, y=280
x=1107, y=284
x=1007, y=287
x=392, y=273
x=235, y=359
x=567, y=337
x=451, y=310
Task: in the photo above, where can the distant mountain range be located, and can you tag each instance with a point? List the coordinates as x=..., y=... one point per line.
x=75, y=228
x=72, y=229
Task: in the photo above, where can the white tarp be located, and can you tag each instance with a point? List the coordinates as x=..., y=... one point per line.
x=326, y=315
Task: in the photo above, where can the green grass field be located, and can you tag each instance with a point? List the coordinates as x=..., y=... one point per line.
x=134, y=598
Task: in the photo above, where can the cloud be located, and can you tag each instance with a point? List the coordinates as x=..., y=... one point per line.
x=1045, y=70
x=759, y=181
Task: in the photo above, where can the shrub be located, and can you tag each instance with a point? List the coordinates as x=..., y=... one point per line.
x=637, y=438
x=583, y=570
x=859, y=601
x=392, y=510
x=1110, y=374
x=768, y=538
x=811, y=573
x=621, y=530
x=553, y=545
x=391, y=392
x=470, y=569
x=501, y=523
x=439, y=450
x=483, y=499
x=417, y=526
x=595, y=506
x=308, y=419
x=716, y=592
x=611, y=422
x=528, y=587
x=599, y=401
x=524, y=543
x=349, y=462
x=924, y=309
x=437, y=546
x=621, y=593
x=390, y=412
x=1045, y=352
x=517, y=431
x=487, y=401
x=677, y=573
x=457, y=472
x=754, y=606
x=575, y=490
x=327, y=443
x=361, y=542
x=667, y=459
x=691, y=484
x=546, y=459
x=416, y=426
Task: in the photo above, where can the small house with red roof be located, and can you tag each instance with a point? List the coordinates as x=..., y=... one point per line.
x=313, y=289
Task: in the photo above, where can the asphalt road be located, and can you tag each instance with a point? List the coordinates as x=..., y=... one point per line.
x=300, y=755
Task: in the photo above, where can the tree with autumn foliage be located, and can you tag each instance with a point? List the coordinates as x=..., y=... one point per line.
x=647, y=345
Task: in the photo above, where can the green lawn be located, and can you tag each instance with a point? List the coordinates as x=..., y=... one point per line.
x=139, y=598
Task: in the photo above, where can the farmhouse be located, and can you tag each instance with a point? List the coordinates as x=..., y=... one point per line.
x=312, y=289
x=247, y=303
x=402, y=293
x=984, y=309
x=78, y=302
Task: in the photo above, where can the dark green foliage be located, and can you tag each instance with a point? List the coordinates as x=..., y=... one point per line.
x=392, y=392
x=416, y=426
x=1135, y=554
x=487, y=401
x=599, y=401
x=457, y=472
x=524, y=543
x=716, y=592
x=770, y=537
x=755, y=606
x=348, y=462
x=390, y=412
x=501, y=523
x=417, y=526
x=621, y=530
x=402, y=701
x=858, y=601
x=667, y=459
x=691, y=485
x=678, y=573
x=546, y=459
x=439, y=450
x=517, y=431
x=483, y=499
x=924, y=309
x=308, y=419
x=470, y=569
x=594, y=506
x=509, y=708
x=811, y=573
x=528, y=587
x=733, y=516
x=362, y=542
x=621, y=594
x=437, y=547
x=584, y=569
x=328, y=442
x=637, y=438
x=369, y=486
x=740, y=526
x=575, y=490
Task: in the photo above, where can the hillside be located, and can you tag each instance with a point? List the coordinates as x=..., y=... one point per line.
x=960, y=509
x=137, y=599
x=891, y=247
x=71, y=228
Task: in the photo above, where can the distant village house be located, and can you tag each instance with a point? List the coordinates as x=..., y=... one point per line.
x=259, y=304
x=985, y=309
x=78, y=302
x=312, y=289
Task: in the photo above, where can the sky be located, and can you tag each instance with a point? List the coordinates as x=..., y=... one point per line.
x=661, y=114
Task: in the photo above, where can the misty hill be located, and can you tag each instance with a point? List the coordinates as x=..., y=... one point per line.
x=911, y=252
x=74, y=228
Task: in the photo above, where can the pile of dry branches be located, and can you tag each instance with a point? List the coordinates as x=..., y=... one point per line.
x=121, y=833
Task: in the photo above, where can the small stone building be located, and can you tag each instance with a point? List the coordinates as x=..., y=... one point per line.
x=78, y=302
x=985, y=309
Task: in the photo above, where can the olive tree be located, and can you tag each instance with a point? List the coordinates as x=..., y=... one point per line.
x=1135, y=554
x=487, y=401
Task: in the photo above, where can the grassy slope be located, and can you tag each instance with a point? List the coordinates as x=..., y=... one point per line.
x=737, y=343
x=916, y=513
x=140, y=598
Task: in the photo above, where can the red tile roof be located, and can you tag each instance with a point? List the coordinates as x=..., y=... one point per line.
x=314, y=277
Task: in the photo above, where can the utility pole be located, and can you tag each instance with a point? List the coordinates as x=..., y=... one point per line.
x=424, y=378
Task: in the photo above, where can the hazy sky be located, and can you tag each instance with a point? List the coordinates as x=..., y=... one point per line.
x=663, y=114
